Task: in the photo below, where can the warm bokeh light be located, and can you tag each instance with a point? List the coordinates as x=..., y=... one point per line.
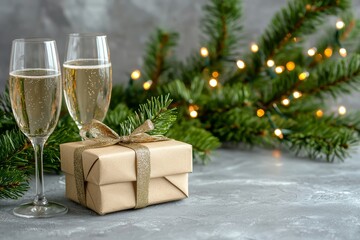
x=343, y=52
x=147, y=85
x=340, y=24
x=297, y=94
x=213, y=82
x=311, y=52
x=303, y=75
x=285, y=102
x=254, y=47
x=328, y=52
x=193, y=114
x=279, y=69
x=290, y=66
x=240, y=64
x=276, y=154
x=215, y=74
x=135, y=75
x=278, y=132
x=270, y=63
x=342, y=110
x=204, y=52
x=319, y=113
x=260, y=112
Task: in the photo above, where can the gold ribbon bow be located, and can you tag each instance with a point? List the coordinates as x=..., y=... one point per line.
x=105, y=136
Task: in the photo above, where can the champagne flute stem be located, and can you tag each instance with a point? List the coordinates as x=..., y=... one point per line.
x=38, y=144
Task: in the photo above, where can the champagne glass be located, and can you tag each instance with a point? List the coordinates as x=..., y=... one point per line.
x=35, y=95
x=87, y=77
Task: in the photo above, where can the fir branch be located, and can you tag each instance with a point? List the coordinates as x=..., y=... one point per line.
x=240, y=125
x=334, y=78
x=297, y=19
x=203, y=142
x=15, y=151
x=13, y=183
x=158, y=52
x=156, y=109
x=280, y=87
x=226, y=98
x=320, y=140
x=117, y=115
x=221, y=24
x=182, y=93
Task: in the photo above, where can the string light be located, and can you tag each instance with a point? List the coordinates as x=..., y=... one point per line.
x=342, y=110
x=147, y=85
x=135, y=75
x=328, y=52
x=215, y=74
x=270, y=63
x=285, y=102
x=254, y=47
x=193, y=114
x=204, y=52
x=340, y=24
x=278, y=133
x=290, y=66
x=240, y=64
x=279, y=69
x=311, y=52
x=297, y=94
x=260, y=112
x=303, y=76
x=343, y=52
x=319, y=113
x=308, y=7
x=193, y=111
x=213, y=82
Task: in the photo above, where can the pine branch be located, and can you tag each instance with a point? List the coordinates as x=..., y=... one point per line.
x=181, y=92
x=156, y=109
x=158, y=52
x=240, y=125
x=334, y=78
x=297, y=19
x=203, y=142
x=13, y=183
x=320, y=140
x=280, y=87
x=221, y=25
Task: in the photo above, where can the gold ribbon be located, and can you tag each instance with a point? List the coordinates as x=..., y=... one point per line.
x=105, y=136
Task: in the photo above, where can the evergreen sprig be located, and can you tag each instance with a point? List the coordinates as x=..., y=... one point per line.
x=13, y=183
x=156, y=110
x=157, y=59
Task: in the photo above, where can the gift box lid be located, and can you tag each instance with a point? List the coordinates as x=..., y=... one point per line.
x=116, y=163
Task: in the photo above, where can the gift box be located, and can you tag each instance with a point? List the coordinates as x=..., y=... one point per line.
x=110, y=174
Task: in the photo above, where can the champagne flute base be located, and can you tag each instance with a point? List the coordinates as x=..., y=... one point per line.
x=30, y=210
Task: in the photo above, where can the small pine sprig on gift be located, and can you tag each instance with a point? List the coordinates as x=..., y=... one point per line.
x=156, y=110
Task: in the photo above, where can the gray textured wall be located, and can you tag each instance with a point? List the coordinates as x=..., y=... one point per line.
x=127, y=23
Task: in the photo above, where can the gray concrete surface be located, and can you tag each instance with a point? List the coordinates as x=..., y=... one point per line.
x=258, y=195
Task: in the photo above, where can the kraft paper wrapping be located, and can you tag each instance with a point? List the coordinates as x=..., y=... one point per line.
x=110, y=173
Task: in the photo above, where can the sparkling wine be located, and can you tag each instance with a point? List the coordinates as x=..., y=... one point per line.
x=35, y=96
x=87, y=89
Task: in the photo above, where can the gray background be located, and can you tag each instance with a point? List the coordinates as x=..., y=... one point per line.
x=128, y=24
